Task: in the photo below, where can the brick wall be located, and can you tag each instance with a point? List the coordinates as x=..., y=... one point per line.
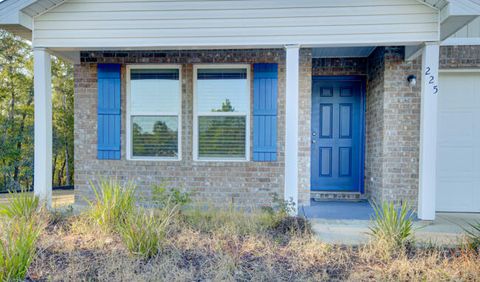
x=339, y=66
x=402, y=128
x=304, y=126
x=393, y=115
x=243, y=184
x=393, y=120
x=374, y=129
x=465, y=57
x=393, y=127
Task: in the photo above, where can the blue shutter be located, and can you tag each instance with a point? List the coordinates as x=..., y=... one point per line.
x=109, y=112
x=265, y=83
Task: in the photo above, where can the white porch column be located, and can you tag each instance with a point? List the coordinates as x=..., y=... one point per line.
x=291, y=124
x=43, y=126
x=428, y=132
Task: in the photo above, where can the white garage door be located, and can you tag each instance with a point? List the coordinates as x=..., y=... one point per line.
x=458, y=155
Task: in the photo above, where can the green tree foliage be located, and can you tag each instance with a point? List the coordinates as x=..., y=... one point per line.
x=16, y=112
x=62, y=100
x=16, y=116
x=160, y=141
x=222, y=136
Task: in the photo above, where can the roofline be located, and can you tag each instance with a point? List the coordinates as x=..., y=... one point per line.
x=435, y=5
x=17, y=15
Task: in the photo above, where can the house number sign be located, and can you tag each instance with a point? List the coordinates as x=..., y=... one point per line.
x=431, y=80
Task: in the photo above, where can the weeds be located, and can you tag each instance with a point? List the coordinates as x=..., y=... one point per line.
x=278, y=218
x=391, y=227
x=230, y=220
x=20, y=205
x=113, y=203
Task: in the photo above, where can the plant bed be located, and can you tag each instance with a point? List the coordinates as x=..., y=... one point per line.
x=171, y=243
x=69, y=251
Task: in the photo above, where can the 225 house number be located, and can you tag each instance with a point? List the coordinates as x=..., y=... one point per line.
x=431, y=80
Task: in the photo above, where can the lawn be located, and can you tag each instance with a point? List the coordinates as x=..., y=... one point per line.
x=179, y=241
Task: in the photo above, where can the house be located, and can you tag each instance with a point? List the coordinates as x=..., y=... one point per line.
x=237, y=100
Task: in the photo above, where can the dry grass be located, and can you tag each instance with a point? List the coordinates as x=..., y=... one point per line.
x=230, y=245
x=433, y=264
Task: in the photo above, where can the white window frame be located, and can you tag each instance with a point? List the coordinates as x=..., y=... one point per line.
x=128, y=121
x=196, y=114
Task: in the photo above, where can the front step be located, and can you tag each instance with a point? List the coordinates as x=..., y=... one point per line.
x=319, y=196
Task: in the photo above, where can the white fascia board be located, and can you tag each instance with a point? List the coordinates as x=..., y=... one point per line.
x=434, y=4
x=457, y=41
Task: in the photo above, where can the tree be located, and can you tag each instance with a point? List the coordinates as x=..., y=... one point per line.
x=62, y=100
x=16, y=115
x=16, y=112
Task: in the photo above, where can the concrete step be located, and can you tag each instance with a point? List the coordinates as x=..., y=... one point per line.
x=336, y=196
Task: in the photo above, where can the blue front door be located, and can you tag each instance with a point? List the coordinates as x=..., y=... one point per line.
x=337, y=134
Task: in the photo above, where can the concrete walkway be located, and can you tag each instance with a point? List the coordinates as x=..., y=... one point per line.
x=348, y=223
x=447, y=229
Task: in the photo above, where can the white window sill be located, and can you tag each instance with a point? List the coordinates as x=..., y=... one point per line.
x=154, y=159
x=222, y=160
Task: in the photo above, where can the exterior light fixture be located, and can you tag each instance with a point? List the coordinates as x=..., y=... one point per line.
x=412, y=80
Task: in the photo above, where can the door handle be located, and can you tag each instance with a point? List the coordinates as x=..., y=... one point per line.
x=314, y=141
x=314, y=134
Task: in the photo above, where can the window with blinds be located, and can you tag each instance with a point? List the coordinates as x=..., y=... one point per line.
x=222, y=106
x=154, y=112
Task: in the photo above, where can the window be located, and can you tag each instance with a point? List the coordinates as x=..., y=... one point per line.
x=153, y=112
x=221, y=112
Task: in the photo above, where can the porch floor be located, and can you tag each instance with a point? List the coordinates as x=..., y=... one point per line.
x=347, y=223
x=338, y=210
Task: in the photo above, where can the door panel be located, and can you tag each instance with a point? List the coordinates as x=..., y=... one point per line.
x=458, y=146
x=337, y=145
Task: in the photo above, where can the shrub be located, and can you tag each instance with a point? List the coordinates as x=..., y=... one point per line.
x=113, y=203
x=17, y=247
x=292, y=225
x=473, y=236
x=391, y=226
x=144, y=231
x=20, y=205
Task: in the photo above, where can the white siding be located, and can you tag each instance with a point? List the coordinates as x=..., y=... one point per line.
x=472, y=30
x=196, y=23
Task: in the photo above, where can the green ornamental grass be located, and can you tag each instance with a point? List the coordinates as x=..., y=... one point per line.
x=144, y=231
x=20, y=205
x=391, y=225
x=112, y=204
x=17, y=247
